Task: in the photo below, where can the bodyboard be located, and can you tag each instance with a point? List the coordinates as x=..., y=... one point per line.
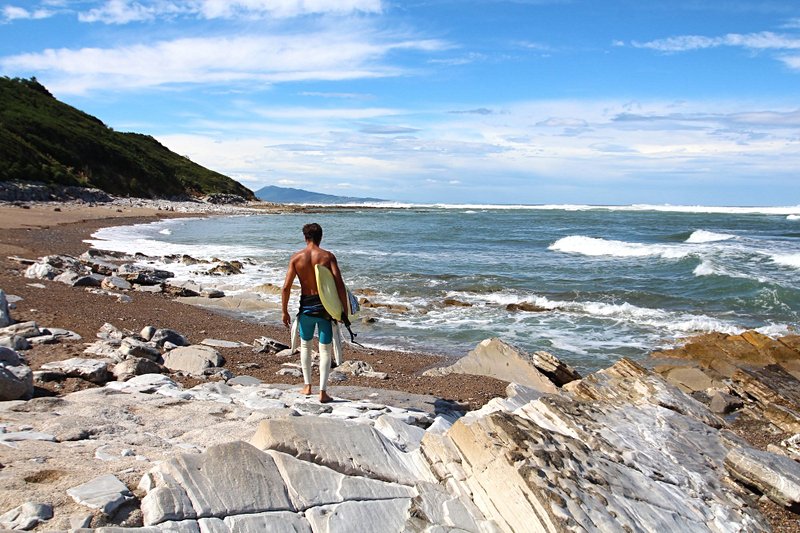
x=326, y=285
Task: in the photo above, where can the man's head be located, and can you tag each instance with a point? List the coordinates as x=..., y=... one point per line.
x=313, y=233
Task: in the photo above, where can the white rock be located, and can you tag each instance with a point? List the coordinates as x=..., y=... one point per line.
x=105, y=493
x=26, y=516
x=386, y=515
x=88, y=369
x=192, y=359
x=5, y=316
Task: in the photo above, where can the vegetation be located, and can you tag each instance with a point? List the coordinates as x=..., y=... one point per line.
x=42, y=139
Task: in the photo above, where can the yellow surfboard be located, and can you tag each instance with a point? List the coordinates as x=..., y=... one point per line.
x=326, y=285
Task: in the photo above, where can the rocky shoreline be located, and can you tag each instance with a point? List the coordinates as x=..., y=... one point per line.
x=150, y=415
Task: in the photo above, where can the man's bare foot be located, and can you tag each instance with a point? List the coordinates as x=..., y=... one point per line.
x=306, y=390
x=324, y=398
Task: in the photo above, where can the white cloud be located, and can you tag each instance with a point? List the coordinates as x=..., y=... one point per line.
x=325, y=55
x=126, y=11
x=752, y=41
x=10, y=13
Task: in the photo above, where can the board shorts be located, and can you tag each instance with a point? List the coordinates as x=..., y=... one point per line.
x=313, y=316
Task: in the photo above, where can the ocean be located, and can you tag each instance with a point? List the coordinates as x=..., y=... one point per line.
x=601, y=282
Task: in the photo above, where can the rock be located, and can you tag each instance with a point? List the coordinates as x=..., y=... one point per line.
x=76, y=279
x=350, y=449
x=110, y=332
x=526, y=307
x=783, y=417
x=556, y=370
x=136, y=366
x=41, y=271
x=104, y=493
x=767, y=385
x=88, y=369
x=26, y=516
x=494, y=358
x=161, y=336
x=147, y=332
x=16, y=378
x=226, y=268
x=135, y=348
x=722, y=403
x=15, y=342
x=217, y=343
x=141, y=275
x=245, y=381
x=452, y=302
x=689, y=379
x=114, y=283
x=5, y=316
x=193, y=359
x=268, y=346
x=776, y=476
x=212, y=293
x=22, y=329
x=290, y=371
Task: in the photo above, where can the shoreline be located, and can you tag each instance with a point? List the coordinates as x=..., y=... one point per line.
x=41, y=230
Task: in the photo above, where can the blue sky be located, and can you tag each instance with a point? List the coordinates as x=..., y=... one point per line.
x=458, y=101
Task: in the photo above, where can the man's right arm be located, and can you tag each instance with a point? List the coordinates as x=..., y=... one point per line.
x=286, y=292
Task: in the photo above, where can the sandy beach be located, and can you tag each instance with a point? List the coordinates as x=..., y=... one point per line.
x=41, y=229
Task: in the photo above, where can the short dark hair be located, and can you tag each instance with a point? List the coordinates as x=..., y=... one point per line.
x=313, y=232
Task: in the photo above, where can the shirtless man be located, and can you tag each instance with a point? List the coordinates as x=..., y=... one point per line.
x=312, y=314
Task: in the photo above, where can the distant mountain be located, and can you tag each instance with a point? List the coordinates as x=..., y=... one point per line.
x=43, y=139
x=287, y=195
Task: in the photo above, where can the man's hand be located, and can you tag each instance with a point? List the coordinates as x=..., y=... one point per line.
x=287, y=320
x=344, y=320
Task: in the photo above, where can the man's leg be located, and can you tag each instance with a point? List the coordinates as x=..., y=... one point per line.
x=325, y=345
x=306, y=331
x=324, y=371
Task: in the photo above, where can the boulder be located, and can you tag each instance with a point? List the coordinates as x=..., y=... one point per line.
x=5, y=316
x=22, y=329
x=15, y=342
x=133, y=347
x=193, y=359
x=161, y=336
x=268, y=346
x=114, y=283
x=142, y=275
x=556, y=370
x=88, y=369
x=136, y=366
x=723, y=403
x=147, y=332
x=689, y=379
x=526, y=307
x=26, y=516
x=497, y=359
x=16, y=378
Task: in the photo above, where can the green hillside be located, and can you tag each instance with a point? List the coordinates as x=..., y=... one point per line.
x=42, y=139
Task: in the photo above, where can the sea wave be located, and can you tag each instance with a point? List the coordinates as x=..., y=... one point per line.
x=705, y=268
x=593, y=246
x=702, y=236
x=793, y=217
x=791, y=260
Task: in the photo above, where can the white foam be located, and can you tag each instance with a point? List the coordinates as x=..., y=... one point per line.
x=793, y=217
x=166, y=231
x=705, y=269
x=702, y=236
x=791, y=260
x=593, y=246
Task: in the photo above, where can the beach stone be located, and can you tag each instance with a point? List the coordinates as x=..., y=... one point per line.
x=147, y=332
x=497, y=359
x=268, y=346
x=26, y=516
x=218, y=343
x=245, y=381
x=114, y=283
x=41, y=271
x=142, y=275
x=5, y=316
x=16, y=378
x=136, y=366
x=290, y=371
x=162, y=336
x=104, y=493
x=88, y=369
x=526, y=307
x=109, y=331
x=776, y=476
x=23, y=329
x=15, y=342
x=193, y=359
x=723, y=403
x=133, y=347
x=212, y=293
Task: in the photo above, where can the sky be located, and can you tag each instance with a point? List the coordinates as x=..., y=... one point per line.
x=684, y=102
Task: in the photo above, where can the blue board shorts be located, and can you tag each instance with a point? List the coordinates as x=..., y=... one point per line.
x=312, y=316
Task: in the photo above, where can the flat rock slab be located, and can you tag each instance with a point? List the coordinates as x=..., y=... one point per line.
x=26, y=516
x=88, y=369
x=775, y=475
x=105, y=493
x=218, y=343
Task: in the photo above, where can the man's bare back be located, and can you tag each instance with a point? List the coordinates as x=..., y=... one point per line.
x=301, y=266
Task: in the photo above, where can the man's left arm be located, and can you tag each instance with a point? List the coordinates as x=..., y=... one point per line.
x=286, y=292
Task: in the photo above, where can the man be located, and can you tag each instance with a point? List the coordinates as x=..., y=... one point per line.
x=312, y=314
